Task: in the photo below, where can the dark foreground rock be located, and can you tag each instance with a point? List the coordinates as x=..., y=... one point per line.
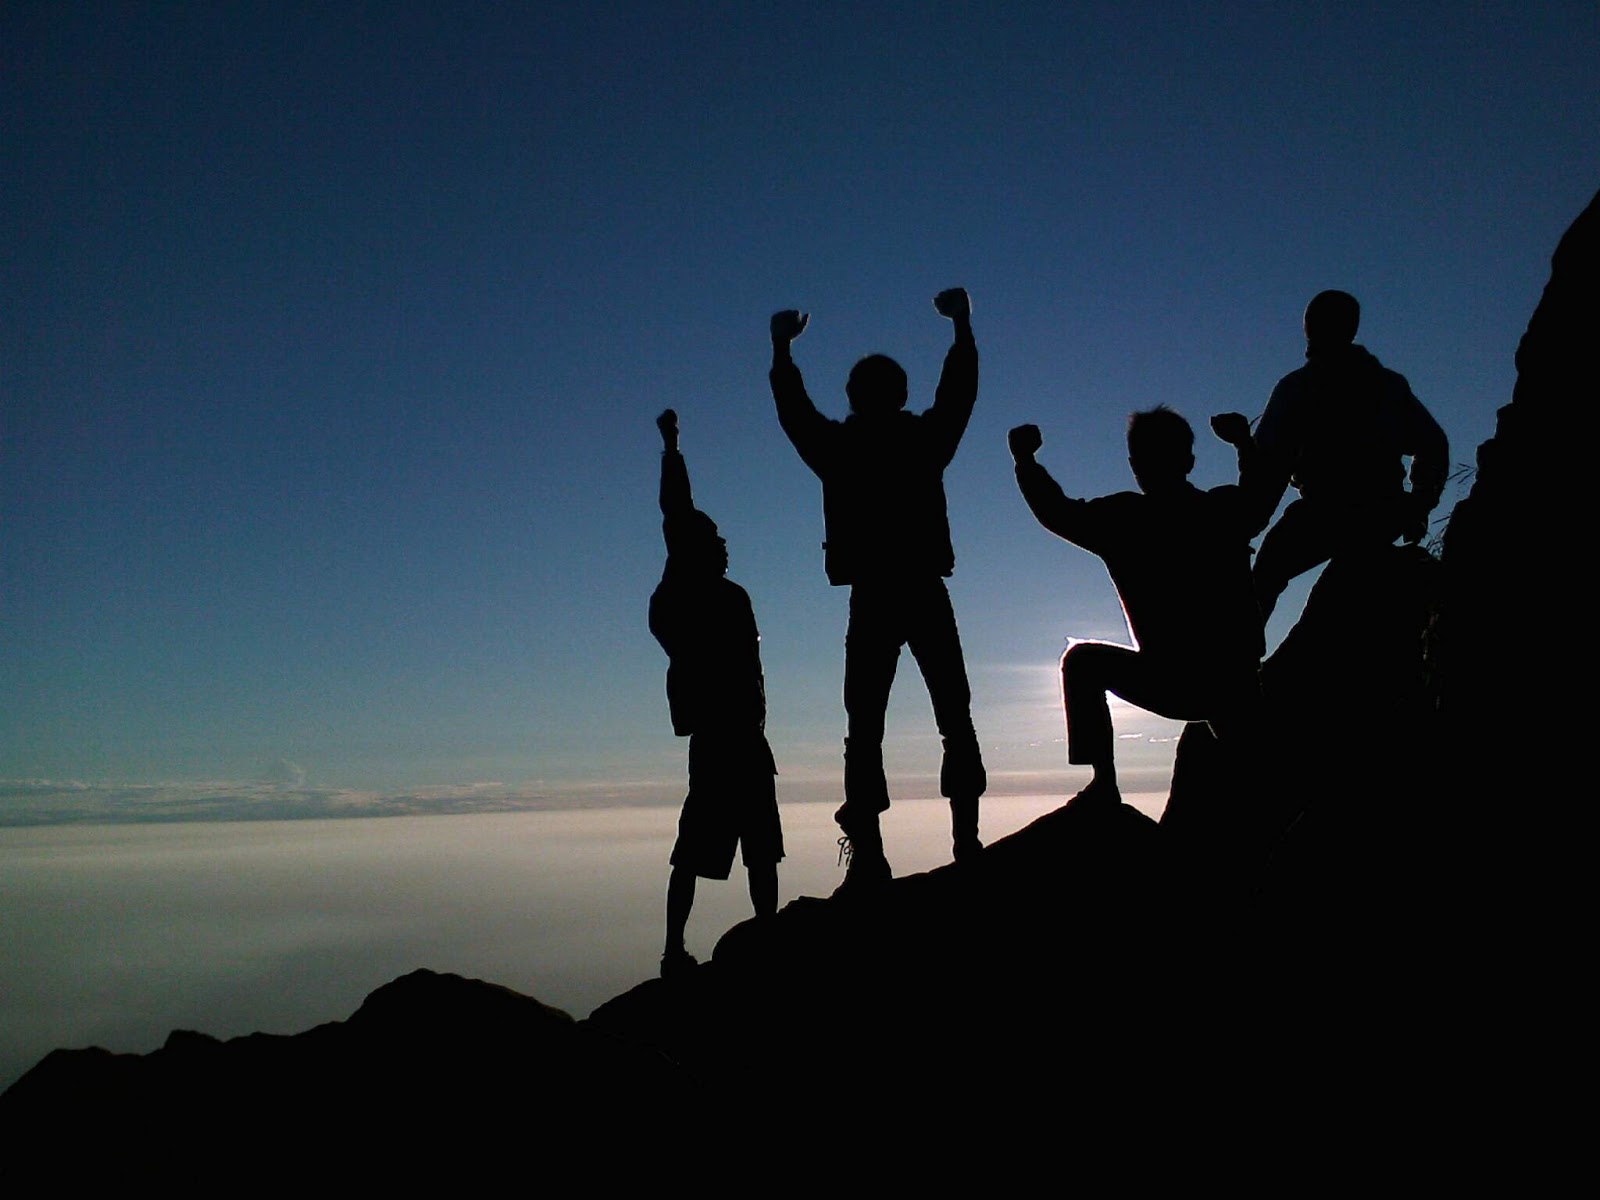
x=437, y=1049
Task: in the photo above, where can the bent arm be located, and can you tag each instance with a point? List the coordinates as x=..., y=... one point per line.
x=806, y=428
x=1277, y=438
x=1055, y=510
x=1261, y=483
x=957, y=393
x=1430, y=454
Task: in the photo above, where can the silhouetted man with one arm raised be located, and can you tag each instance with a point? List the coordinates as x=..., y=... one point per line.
x=888, y=539
x=715, y=690
x=1180, y=560
x=1338, y=429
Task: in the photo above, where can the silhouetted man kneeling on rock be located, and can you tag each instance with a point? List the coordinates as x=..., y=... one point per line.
x=1180, y=559
x=718, y=699
x=1338, y=429
x=888, y=538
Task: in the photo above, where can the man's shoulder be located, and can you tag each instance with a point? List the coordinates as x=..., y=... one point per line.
x=1223, y=501
x=1394, y=382
x=1119, y=502
x=1359, y=359
x=1294, y=382
x=1116, y=508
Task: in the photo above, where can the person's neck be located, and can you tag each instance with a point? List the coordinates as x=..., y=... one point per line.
x=1328, y=349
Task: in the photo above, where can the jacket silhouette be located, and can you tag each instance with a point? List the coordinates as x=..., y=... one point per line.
x=882, y=473
x=1339, y=429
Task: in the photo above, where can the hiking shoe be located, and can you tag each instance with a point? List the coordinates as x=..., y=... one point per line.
x=866, y=868
x=1097, y=797
x=966, y=848
x=677, y=962
x=964, y=827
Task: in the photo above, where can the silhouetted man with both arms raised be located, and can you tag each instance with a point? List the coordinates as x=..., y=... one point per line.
x=1180, y=560
x=717, y=695
x=888, y=540
x=1338, y=429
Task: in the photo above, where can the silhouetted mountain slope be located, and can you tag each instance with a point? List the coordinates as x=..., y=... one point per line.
x=436, y=1052
x=1337, y=938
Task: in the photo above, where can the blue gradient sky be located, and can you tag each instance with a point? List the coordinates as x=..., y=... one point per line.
x=333, y=336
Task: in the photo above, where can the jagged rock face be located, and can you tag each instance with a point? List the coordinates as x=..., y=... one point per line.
x=1509, y=553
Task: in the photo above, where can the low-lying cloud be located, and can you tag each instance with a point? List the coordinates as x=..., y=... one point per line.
x=66, y=802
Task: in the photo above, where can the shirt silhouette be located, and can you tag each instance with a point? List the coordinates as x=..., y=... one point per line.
x=1180, y=560
x=717, y=697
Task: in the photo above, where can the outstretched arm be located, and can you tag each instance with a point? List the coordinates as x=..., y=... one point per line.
x=805, y=426
x=1061, y=515
x=676, y=498
x=958, y=382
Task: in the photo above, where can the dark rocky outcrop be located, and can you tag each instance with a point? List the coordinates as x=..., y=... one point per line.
x=431, y=1052
x=1313, y=945
x=1511, y=552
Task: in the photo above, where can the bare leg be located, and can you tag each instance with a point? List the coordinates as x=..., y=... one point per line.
x=763, y=888
x=680, y=899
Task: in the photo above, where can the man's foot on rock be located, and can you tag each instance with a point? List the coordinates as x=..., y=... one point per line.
x=965, y=845
x=677, y=962
x=866, y=868
x=1097, y=797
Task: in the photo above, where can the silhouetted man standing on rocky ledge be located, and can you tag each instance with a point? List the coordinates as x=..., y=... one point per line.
x=888, y=539
x=718, y=699
x=1180, y=560
x=1338, y=429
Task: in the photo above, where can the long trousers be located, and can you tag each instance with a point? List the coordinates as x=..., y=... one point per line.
x=883, y=618
x=1181, y=691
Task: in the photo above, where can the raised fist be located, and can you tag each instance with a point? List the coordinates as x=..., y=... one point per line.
x=1231, y=427
x=667, y=422
x=788, y=325
x=1024, y=441
x=953, y=303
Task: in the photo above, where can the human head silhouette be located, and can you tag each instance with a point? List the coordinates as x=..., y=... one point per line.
x=1332, y=319
x=877, y=386
x=1160, y=448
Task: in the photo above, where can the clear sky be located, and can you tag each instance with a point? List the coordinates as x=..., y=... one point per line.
x=333, y=335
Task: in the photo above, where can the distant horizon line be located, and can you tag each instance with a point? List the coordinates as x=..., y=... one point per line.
x=31, y=803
